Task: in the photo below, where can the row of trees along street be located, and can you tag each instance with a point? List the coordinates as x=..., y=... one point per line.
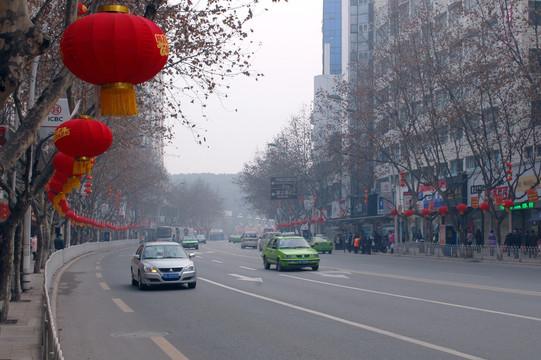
x=207, y=45
x=444, y=94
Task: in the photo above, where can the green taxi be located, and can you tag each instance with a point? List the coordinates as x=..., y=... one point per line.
x=234, y=238
x=321, y=243
x=289, y=252
x=190, y=241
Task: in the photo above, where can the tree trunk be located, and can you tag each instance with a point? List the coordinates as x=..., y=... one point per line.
x=17, y=264
x=20, y=42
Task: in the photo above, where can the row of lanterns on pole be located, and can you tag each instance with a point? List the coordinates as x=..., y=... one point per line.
x=319, y=220
x=114, y=50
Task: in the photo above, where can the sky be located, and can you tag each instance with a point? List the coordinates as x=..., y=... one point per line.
x=289, y=57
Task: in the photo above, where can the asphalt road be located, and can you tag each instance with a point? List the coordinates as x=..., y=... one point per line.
x=376, y=306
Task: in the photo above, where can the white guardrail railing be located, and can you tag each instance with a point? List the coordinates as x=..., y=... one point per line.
x=51, y=345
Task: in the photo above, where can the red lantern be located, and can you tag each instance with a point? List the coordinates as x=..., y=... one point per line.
x=394, y=213
x=443, y=210
x=507, y=204
x=83, y=139
x=81, y=9
x=425, y=212
x=313, y=221
x=409, y=213
x=117, y=51
x=484, y=206
x=462, y=208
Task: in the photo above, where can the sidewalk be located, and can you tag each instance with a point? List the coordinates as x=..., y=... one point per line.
x=21, y=334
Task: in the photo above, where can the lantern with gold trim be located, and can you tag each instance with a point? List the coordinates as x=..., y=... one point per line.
x=83, y=139
x=116, y=50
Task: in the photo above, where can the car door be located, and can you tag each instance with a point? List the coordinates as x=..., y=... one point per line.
x=136, y=260
x=271, y=251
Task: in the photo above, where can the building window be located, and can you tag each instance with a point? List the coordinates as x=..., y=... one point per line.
x=534, y=13
x=535, y=60
x=536, y=113
x=457, y=166
x=470, y=162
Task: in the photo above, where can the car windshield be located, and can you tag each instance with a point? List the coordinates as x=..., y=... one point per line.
x=320, y=238
x=163, y=252
x=251, y=236
x=293, y=243
x=188, y=238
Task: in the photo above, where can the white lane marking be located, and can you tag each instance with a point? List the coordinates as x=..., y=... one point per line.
x=247, y=268
x=98, y=275
x=246, y=278
x=104, y=286
x=98, y=267
x=417, y=299
x=333, y=274
x=217, y=261
x=353, y=323
x=168, y=349
x=122, y=305
x=450, y=283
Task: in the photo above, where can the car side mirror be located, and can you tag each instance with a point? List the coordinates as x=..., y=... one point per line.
x=137, y=256
x=191, y=255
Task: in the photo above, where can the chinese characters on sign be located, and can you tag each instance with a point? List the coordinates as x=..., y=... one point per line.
x=283, y=188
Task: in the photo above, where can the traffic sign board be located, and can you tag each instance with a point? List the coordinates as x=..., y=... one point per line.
x=283, y=188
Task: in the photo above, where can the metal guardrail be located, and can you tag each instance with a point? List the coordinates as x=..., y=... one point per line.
x=525, y=255
x=51, y=345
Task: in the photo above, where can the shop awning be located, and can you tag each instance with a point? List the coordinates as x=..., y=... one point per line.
x=536, y=217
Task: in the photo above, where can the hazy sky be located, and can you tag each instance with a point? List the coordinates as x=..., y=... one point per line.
x=290, y=57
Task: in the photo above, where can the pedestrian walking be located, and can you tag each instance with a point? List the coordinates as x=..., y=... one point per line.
x=391, y=241
x=356, y=243
x=58, y=242
x=492, y=242
x=531, y=244
x=34, y=246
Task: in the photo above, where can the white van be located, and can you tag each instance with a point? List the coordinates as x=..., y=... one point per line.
x=165, y=233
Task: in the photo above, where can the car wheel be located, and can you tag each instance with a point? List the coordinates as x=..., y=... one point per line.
x=197, y=248
x=315, y=267
x=266, y=264
x=133, y=281
x=330, y=251
x=140, y=284
x=242, y=246
x=192, y=285
x=279, y=265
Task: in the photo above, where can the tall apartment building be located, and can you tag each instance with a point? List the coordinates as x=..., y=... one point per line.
x=371, y=25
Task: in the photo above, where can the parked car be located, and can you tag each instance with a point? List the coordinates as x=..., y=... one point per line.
x=234, y=238
x=201, y=239
x=266, y=237
x=249, y=239
x=321, y=243
x=162, y=263
x=189, y=241
x=289, y=252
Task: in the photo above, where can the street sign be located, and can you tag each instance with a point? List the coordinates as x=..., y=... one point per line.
x=59, y=113
x=283, y=188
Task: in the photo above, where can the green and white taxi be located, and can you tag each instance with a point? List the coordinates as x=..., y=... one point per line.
x=289, y=252
x=321, y=243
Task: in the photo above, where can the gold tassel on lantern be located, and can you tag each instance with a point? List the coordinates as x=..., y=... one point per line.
x=82, y=165
x=118, y=99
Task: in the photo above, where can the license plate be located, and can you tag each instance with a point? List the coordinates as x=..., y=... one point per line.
x=171, y=276
x=303, y=261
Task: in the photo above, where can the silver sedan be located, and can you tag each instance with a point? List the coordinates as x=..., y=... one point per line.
x=162, y=263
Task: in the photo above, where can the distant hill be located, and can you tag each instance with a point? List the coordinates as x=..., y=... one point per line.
x=221, y=184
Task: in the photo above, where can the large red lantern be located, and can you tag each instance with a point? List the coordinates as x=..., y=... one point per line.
x=425, y=212
x=443, y=210
x=507, y=204
x=462, y=208
x=409, y=213
x=394, y=213
x=83, y=139
x=115, y=50
x=484, y=206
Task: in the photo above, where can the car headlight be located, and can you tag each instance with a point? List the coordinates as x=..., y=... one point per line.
x=190, y=268
x=150, y=269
